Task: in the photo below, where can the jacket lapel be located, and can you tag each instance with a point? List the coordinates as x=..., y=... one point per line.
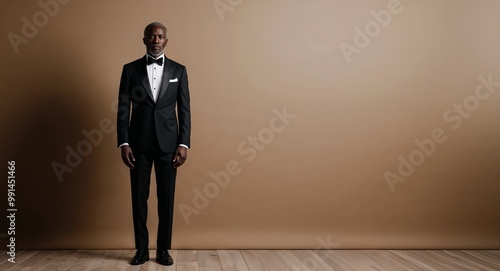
x=167, y=75
x=143, y=75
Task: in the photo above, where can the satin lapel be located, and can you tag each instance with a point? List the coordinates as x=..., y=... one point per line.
x=167, y=75
x=143, y=75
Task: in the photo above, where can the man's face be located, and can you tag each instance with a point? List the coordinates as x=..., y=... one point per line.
x=155, y=40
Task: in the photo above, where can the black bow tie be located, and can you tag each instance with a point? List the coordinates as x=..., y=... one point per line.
x=158, y=61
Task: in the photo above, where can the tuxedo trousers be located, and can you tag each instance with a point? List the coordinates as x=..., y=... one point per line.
x=140, y=177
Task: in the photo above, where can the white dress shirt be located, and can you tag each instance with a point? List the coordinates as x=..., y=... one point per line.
x=155, y=75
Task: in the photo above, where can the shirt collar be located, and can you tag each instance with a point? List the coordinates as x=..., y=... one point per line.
x=161, y=56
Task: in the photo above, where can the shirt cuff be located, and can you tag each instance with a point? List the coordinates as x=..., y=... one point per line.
x=180, y=145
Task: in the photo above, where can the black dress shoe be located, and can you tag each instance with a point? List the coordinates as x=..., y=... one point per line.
x=141, y=256
x=163, y=258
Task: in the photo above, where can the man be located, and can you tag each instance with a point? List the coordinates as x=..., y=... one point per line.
x=150, y=132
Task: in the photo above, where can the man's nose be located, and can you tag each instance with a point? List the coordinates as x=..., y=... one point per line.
x=156, y=39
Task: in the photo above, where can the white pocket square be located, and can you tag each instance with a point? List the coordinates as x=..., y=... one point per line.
x=173, y=80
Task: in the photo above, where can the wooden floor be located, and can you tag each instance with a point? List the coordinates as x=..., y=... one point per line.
x=256, y=260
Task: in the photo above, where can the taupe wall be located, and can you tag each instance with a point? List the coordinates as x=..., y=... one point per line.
x=327, y=124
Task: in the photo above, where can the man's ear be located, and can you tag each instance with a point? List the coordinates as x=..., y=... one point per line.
x=144, y=41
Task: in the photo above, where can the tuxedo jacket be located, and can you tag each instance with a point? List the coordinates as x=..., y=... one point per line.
x=141, y=119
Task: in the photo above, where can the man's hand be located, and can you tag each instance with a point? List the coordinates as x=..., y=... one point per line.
x=180, y=156
x=128, y=156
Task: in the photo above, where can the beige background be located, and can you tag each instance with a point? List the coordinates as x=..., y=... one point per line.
x=316, y=182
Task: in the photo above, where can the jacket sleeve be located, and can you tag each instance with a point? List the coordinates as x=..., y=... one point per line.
x=184, y=110
x=123, y=113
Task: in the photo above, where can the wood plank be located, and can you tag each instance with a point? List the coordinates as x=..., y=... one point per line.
x=187, y=260
x=70, y=260
x=451, y=261
x=366, y=261
x=292, y=262
x=208, y=260
x=187, y=266
x=360, y=259
x=123, y=263
x=20, y=256
x=333, y=260
x=153, y=265
x=4, y=256
x=84, y=259
x=150, y=265
x=388, y=261
x=54, y=261
x=463, y=260
x=108, y=261
x=404, y=264
x=432, y=260
x=309, y=261
x=337, y=261
x=264, y=260
x=288, y=259
x=494, y=252
x=187, y=255
x=254, y=260
x=232, y=260
x=411, y=257
x=484, y=257
x=156, y=266
x=31, y=261
x=344, y=260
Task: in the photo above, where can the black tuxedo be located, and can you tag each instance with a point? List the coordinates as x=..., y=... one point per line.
x=149, y=117
x=153, y=130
